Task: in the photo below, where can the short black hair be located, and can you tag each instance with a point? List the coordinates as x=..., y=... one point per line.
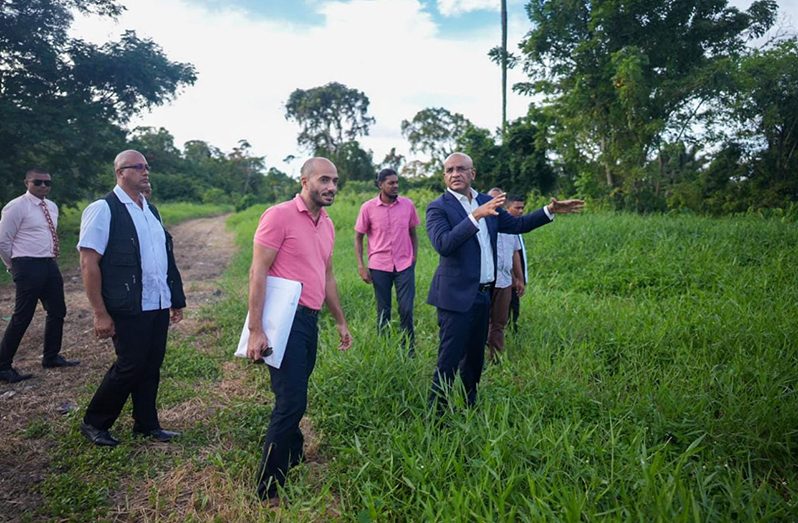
x=383, y=174
x=515, y=198
x=35, y=170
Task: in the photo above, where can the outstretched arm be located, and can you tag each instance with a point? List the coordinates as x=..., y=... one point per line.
x=446, y=239
x=565, y=206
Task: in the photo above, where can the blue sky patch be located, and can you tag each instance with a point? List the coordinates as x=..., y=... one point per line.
x=306, y=13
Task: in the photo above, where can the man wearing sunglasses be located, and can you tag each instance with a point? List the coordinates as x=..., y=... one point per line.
x=135, y=289
x=29, y=248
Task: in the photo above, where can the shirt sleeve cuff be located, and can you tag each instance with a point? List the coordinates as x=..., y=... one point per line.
x=548, y=213
x=473, y=220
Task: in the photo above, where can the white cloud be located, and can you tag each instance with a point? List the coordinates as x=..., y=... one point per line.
x=456, y=7
x=248, y=66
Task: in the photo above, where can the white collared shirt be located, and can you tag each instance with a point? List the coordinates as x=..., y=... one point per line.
x=94, y=229
x=24, y=231
x=506, y=245
x=486, y=268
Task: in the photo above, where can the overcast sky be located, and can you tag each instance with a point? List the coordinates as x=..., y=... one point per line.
x=251, y=54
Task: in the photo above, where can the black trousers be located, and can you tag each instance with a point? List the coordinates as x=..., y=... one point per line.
x=515, y=309
x=140, y=345
x=35, y=279
x=405, y=282
x=462, y=348
x=283, y=446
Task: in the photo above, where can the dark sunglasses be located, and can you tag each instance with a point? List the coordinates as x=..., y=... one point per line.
x=39, y=183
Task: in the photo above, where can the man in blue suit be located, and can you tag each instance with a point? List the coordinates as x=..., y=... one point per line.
x=462, y=226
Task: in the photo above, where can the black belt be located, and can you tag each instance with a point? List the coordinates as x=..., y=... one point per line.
x=307, y=310
x=32, y=258
x=486, y=287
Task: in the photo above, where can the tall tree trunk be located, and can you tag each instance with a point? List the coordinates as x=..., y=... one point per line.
x=504, y=66
x=605, y=162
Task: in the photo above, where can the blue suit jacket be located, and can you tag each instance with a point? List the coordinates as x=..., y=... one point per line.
x=456, y=281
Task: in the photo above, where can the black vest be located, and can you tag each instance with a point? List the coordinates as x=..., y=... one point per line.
x=121, y=264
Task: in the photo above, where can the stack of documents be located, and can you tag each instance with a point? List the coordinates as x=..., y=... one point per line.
x=282, y=298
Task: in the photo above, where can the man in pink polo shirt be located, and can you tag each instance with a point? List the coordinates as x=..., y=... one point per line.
x=390, y=223
x=294, y=240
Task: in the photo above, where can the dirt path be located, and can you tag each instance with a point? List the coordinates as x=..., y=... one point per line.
x=203, y=248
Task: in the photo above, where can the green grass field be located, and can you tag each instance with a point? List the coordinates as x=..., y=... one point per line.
x=653, y=378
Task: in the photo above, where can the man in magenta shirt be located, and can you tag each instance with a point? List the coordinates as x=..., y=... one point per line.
x=390, y=223
x=294, y=240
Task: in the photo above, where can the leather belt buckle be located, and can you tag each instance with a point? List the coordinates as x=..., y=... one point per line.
x=485, y=287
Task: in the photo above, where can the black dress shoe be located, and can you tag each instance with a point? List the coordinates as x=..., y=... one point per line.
x=59, y=361
x=99, y=437
x=12, y=376
x=164, y=436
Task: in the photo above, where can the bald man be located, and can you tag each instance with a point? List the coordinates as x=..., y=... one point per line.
x=135, y=289
x=462, y=226
x=294, y=240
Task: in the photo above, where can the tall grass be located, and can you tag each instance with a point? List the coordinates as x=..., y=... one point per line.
x=653, y=378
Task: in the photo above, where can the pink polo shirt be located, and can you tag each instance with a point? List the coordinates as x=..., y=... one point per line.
x=304, y=248
x=388, y=229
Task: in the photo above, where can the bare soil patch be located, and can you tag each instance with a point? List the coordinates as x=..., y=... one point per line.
x=203, y=248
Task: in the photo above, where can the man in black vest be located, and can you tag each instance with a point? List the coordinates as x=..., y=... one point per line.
x=135, y=289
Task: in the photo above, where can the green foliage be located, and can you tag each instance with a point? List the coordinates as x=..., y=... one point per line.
x=620, y=86
x=63, y=99
x=518, y=164
x=329, y=115
x=352, y=162
x=202, y=172
x=435, y=131
x=764, y=116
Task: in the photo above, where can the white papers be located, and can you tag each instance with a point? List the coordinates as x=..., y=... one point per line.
x=282, y=297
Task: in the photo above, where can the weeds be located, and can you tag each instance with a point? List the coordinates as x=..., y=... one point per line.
x=653, y=378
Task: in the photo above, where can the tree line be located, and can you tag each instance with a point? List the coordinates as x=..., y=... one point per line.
x=643, y=105
x=65, y=105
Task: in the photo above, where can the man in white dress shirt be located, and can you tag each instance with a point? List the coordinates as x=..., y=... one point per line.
x=135, y=289
x=508, y=247
x=28, y=248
